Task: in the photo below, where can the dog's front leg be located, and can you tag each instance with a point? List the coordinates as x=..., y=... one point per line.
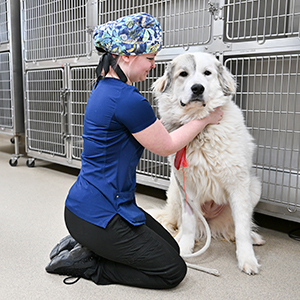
x=242, y=215
x=187, y=229
x=187, y=232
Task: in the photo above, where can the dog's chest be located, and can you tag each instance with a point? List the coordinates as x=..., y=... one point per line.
x=206, y=154
x=207, y=172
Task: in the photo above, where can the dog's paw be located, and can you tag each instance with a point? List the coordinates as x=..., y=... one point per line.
x=186, y=245
x=249, y=266
x=185, y=250
x=257, y=239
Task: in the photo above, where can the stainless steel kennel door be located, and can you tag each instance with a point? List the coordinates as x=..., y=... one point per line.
x=55, y=29
x=184, y=23
x=45, y=107
x=5, y=91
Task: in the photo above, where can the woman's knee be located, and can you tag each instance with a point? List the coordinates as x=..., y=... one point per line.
x=176, y=274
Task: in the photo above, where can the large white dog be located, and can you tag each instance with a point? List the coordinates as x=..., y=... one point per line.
x=219, y=178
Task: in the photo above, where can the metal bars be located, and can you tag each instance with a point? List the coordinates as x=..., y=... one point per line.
x=5, y=78
x=55, y=29
x=45, y=110
x=269, y=94
x=261, y=19
x=82, y=81
x=5, y=92
x=3, y=22
x=150, y=164
x=184, y=23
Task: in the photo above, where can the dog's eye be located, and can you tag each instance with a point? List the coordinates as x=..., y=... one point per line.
x=207, y=73
x=183, y=74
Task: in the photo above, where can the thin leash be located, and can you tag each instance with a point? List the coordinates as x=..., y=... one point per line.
x=180, y=161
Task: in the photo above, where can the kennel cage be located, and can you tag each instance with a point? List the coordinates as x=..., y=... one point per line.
x=57, y=40
x=257, y=40
x=268, y=94
x=11, y=94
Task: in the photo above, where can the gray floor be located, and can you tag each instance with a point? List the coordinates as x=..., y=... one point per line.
x=31, y=222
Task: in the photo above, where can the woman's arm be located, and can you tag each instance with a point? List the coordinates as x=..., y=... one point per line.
x=159, y=141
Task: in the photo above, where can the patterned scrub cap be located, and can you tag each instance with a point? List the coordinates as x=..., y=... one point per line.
x=139, y=33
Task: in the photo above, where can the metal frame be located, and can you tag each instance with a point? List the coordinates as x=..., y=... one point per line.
x=11, y=89
x=257, y=40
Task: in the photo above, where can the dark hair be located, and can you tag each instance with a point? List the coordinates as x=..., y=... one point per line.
x=106, y=60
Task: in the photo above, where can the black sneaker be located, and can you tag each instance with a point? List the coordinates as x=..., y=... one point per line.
x=79, y=262
x=67, y=243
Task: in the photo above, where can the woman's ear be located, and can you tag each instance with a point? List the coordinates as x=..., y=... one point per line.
x=125, y=58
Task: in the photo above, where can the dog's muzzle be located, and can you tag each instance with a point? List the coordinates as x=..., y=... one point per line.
x=197, y=94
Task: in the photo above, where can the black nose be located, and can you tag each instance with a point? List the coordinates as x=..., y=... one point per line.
x=197, y=89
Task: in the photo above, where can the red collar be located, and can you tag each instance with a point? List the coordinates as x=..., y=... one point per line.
x=180, y=159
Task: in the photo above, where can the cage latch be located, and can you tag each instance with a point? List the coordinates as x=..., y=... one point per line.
x=63, y=95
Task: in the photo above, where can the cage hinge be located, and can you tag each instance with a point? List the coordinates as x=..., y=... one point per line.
x=215, y=10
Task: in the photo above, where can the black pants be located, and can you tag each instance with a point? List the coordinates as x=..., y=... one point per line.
x=143, y=256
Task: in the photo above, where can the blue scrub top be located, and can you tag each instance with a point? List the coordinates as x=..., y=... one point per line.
x=107, y=180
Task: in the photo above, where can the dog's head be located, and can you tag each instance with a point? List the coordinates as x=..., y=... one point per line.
x=192, y=86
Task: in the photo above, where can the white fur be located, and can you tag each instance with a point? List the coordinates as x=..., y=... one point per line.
x=219, y=158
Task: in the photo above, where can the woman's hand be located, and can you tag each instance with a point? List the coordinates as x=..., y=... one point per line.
x=214, y=117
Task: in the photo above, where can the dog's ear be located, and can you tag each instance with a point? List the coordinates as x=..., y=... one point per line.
x=226, y=80
x=164, y=82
